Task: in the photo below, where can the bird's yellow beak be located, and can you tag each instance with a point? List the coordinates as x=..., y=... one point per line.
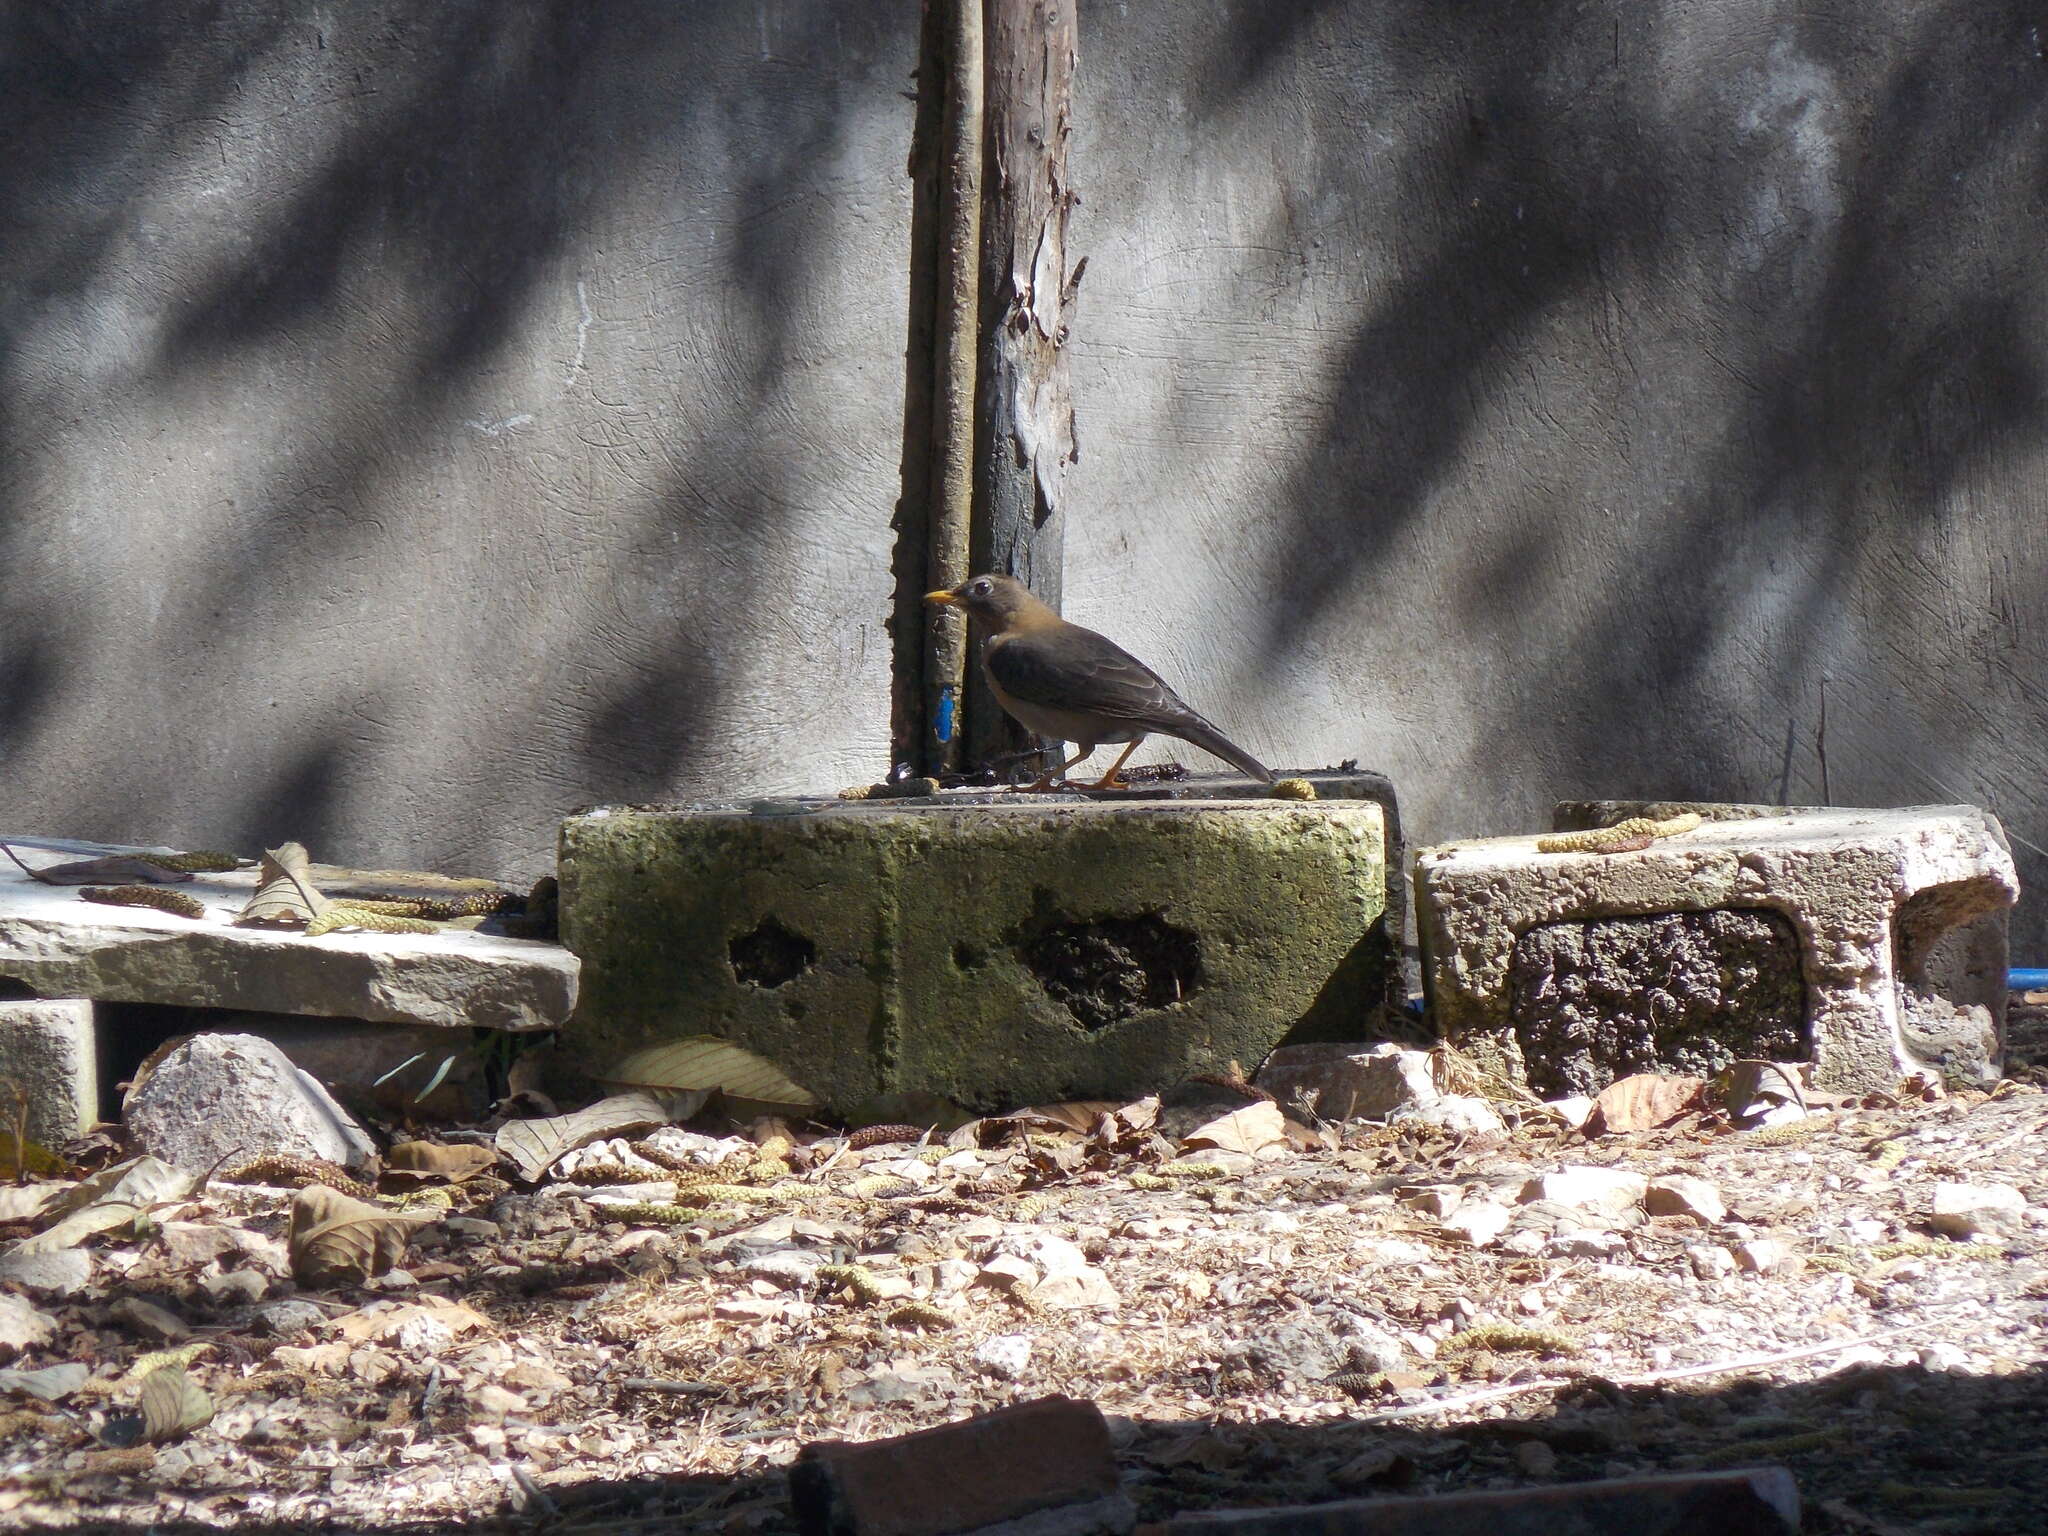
x=949, y=599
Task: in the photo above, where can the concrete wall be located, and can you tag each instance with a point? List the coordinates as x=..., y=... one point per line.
x=416, y=421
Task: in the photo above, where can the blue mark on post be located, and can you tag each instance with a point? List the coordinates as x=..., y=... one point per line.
x=945, y=721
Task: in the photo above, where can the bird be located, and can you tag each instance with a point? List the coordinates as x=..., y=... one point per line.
x=1071, y=684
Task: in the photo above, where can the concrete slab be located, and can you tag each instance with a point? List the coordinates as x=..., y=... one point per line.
x=1868, y=897
x=997, y=954
x=57, y=945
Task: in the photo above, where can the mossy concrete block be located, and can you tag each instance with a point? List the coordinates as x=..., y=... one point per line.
x=996, y=955
x=49, y=1068
x=1871, y=898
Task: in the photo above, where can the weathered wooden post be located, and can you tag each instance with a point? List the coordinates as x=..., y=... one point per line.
x=1024, y=416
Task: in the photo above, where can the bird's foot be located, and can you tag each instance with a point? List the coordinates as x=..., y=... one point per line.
x=1110, y=780
x=1043, y=784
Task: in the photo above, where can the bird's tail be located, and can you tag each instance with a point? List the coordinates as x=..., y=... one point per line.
x=1201, y=733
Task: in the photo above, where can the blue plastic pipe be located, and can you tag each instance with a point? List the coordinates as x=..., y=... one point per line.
x=2026, y=981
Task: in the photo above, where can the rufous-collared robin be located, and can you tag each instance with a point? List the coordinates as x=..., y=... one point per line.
x=1067, y=683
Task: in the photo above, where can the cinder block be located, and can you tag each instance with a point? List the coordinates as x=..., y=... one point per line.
x=1854, y=938
x=1754, y=1502
x=996, y=954
x=1026, y=1463
x=48, y=1054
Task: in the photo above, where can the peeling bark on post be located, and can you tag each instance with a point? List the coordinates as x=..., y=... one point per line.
x=954, y=349
x=1024, y=409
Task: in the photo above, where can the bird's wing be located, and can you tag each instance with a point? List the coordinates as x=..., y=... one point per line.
x=1072, y=668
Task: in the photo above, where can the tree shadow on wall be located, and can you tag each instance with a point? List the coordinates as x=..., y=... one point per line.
x=1705, y=372
x=331, y=236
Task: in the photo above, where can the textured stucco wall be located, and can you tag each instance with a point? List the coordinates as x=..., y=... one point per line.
x=416, y=421
x=1543, y=400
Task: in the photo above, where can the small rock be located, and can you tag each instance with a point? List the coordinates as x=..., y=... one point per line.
x=1763, y=1256
x=488, y=1397
x=289, y=1318
x=57, y=1275
x=1276, y=1222
x=22, y=1327
x=1573, y=1110
x=1963, y=1210
x=1294, y=1349
x=791, y=1268
x=1004, y=1354
x=1584, y=1243
x=1343, y=1082
x=236, y=1288
x=1524, y=1243
x=1394, y=1250
x=1009, y=1271
x=1479, y=1222
x=1438, y=1201
x=1461, y=1113
x=220, y=1098
x=1678, y=1194
x=472, y=1228
x=1940, y=1356
x=908, y=1384
x=1710, y=1261
x=145, y=1317
x=1610, y=1191
x=1076, y=1289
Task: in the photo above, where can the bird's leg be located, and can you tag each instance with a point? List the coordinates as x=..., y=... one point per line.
x=1052, y=776
x=1109, y=780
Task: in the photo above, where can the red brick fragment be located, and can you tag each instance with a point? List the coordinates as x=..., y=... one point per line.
x=958, y=1477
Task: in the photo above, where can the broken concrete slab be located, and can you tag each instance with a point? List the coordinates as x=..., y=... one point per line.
x=59, y=946
x=49, y=1056
x=1340, y=1081
x=1859, y=899
x=219, y=1100
x=995, y=955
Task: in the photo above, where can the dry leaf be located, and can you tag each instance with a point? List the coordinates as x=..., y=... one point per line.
x=50, y=1383
x=337, y=1241
x=1079, y=1115
x=533, y=1145
x=285, y=896
x=172, y=1403
x=1643, y=1102
x=418, y=1161
x=23, y=1202
x=108, y=869
x=380, y=1321
x=111, y=1198
x=706, y=1062
x=1251, y=1129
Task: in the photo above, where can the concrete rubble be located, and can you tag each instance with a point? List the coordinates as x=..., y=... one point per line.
x=225, y=1099
x=1870, y=899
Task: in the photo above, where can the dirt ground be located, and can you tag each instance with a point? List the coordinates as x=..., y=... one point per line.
x=1264, y=1323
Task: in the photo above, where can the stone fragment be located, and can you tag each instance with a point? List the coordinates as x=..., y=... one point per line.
x=1609, y=1191
x=1462, y=1113
x=1478, y=1222
x=1757, y=1501
x=22, y=1326
x=47, y=1054
x=142, y=1316
x=55, y=1275
x=793, y=1269
x=1438, y=1200
x=1710, y=1261
x=1872, y=900
x=1585, y=1243
x=289, y=1318
x=1964, y=1210
x=1015, y=1463
x=1004, y=1354
x=227, y=1098
x=236, y=1288
x=454, y=978
x=1350, y=1082
x=1679, y=1194
x=1043, y=950
x=1760, y=1256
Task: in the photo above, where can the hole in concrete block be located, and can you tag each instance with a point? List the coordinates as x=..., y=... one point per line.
x=14, y=990
x=1108, y=968
x=1676, y=992
x=771, y=956
x=1949, y=946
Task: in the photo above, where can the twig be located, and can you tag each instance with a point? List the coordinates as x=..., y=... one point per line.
x=1645, y=1379
x=32, y=874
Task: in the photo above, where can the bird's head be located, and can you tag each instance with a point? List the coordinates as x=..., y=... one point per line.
x=1000, y=602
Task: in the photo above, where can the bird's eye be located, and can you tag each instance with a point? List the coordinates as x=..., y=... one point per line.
x=980, y=589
